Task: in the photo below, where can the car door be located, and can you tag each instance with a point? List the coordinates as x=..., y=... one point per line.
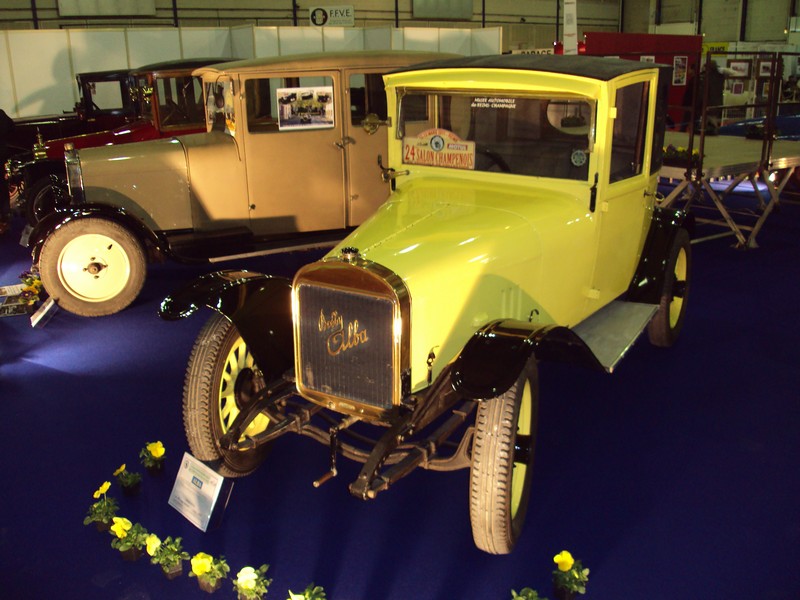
x=367, y=99
x=623, y=212
x=292, y=137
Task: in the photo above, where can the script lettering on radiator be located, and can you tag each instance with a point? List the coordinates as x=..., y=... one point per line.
x=340, y=338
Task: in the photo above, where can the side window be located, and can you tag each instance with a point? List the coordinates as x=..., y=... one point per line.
x=367, y=96
x=105, y=96
x=289, y=104
x=180, y=101
x=630, y=127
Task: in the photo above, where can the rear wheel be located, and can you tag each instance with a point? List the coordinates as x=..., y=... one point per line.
x=502, y=463
x=667, y=323
x=221, y=380
x=92, y=267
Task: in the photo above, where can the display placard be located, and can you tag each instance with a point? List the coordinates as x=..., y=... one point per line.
x=200, y=493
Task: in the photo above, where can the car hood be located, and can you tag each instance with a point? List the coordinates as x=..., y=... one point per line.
x=475, y=254
x=139, y=130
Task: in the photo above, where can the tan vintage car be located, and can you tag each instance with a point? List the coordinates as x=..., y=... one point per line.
x=289, y=160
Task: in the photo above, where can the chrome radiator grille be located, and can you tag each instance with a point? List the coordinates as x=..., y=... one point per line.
x=346, y=346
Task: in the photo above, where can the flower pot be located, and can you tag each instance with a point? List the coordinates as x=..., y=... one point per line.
x=102, y=526
x=207, y=586
x=131, y=554
x=562, y=594
x=173, y=571
x=132, y=490
x=156, y=469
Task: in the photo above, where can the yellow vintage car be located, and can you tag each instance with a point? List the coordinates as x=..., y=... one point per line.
x=522, y=228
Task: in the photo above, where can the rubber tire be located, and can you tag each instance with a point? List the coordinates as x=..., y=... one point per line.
x=40, y=200
x=495, y=479
x=667, y=323
x=122, y=253
x=218, y=351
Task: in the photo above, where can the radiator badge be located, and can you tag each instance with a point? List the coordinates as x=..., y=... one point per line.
x=341, y=338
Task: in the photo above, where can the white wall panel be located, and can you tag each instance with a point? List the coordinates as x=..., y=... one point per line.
x=7, y=98
x=300, y=40
x=43, y=81
x=487, y=41
x=458, y=41
x=98, y=49
x=148, y=46
x=243, y=41
x=201, y=42
x=342, y=39
x=420, y=38
x=267, y=42
x=377, y=38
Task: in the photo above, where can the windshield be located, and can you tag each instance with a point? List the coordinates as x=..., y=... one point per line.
x=524, y=135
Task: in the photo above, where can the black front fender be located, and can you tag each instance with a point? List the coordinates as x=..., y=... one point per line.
x=648, y=281
x=260, y=306
x=58, y=218
x=494, y=357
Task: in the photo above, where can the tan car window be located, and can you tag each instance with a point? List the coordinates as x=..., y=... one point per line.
x=367, y=96
x=288, y=103
x=180, y=101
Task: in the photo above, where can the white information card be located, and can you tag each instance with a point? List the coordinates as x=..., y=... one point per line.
x=200, y=493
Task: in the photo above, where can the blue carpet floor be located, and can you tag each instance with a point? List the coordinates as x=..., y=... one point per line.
x=674, y=478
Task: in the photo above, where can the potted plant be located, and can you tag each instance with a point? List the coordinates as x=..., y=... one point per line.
x=152, y=457
x=101, y=512
x=526, y=594
x=33, y=286
x=252, y=584
x=168, y=553
x=129, y=538
x=312, y=592
x=129, y=481
x=570, y=577
x=210, y=571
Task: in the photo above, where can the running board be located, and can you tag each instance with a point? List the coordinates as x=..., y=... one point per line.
x=611, y=331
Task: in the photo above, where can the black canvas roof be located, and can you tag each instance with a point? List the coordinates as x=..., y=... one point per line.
x=593, y=67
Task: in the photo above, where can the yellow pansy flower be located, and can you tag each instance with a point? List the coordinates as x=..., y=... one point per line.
x=564, y=560
x=201, y=563
x=152, y=542
x=156, y=449
x=120, y=470
x=246, y=578
x=102, y=489
x=121, y=526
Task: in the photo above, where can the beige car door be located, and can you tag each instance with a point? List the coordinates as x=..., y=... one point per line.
x=367, y=99
x=292, y=138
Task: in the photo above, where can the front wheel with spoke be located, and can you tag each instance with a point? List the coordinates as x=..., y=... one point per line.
x=502, y=463
x=221, y=380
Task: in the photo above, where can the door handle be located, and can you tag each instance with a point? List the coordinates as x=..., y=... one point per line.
x=344, y=141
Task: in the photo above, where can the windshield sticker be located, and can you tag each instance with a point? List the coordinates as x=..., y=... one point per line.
x=439, y=148
x=305, y=108
x=484, y=102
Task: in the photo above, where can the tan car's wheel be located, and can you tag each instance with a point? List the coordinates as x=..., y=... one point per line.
x=663, y=330
x=502, y=463
x=221, y=380
x=92, y=267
